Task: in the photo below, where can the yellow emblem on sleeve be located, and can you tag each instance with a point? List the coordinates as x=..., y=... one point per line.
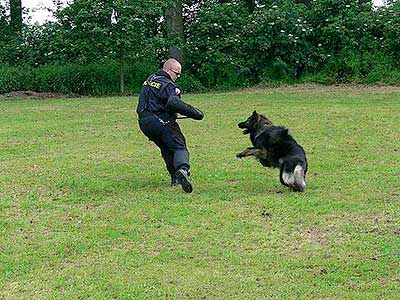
x=153, y=84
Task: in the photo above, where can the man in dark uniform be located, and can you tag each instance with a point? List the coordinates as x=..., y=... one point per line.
x=159, y=104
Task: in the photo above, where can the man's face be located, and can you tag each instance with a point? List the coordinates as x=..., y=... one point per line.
x=175, y=72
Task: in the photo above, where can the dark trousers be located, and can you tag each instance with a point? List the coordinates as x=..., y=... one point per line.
x=170, y=140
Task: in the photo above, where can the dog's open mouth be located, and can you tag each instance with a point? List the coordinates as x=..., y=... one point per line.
x=243, y=125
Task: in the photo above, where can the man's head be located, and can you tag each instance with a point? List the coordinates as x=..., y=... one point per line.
x=173, y=68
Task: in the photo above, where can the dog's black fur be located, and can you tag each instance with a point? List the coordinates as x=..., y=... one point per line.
x=274, y=147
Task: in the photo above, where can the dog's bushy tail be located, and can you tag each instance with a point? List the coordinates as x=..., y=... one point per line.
x=294, y=177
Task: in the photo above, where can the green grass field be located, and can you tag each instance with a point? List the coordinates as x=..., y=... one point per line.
x=86, y=211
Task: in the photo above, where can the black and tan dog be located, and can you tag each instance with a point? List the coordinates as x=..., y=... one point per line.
x=274, y=147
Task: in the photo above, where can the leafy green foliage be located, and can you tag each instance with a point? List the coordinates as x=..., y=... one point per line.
x=89, y=79
x=342, y=41
x=229, y=44
x=87, y=31
x=279, y=37
x=213, y=50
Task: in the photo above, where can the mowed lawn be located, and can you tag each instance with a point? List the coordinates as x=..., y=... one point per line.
x=86, y=210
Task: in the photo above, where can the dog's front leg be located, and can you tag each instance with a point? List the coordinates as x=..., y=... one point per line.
x=251, y=151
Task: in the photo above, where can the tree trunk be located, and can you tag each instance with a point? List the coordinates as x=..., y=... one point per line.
x=250, y=4
x=16, y=16
x=121, y=72
x=174, y=21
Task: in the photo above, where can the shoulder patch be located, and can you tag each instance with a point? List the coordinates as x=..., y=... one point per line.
x=177, y=91
x=153, y=84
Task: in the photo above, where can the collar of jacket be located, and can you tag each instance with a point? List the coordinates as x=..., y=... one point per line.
x=161, y=72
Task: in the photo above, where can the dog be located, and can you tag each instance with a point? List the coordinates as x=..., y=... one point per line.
x=274, y=147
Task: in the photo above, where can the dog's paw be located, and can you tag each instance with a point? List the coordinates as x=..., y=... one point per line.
x=239, y=155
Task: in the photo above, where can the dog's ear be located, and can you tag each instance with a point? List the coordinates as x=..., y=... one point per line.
x=255, y=116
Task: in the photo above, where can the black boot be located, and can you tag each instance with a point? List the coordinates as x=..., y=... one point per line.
x=183, y=177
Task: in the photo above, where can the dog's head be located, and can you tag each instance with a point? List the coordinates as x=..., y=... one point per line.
x=254, y=121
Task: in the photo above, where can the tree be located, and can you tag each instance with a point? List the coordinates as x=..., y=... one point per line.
x=100, y=30
x=10, y=32
x=214, y=46
x=16, y=16
x=175, y=29
x=4, y=31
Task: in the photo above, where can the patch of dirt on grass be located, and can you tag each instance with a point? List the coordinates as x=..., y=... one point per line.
x=36, y=95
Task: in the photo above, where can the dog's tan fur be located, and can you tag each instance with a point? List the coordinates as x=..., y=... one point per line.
x=251, y=151
x=262, y=153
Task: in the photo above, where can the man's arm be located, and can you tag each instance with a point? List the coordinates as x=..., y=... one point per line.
x=176, y=105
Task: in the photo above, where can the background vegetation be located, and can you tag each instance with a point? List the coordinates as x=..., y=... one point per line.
x=86, y=211
x=105, y=47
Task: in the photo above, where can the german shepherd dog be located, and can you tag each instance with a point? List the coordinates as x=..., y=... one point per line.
x=274, y=147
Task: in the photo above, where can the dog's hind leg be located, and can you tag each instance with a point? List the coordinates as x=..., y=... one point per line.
x=299, y=178
x=294, y=178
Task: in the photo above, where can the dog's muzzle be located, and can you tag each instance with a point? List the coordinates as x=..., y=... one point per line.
x=244, y=126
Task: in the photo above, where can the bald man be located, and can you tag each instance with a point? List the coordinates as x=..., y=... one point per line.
x=159, y=104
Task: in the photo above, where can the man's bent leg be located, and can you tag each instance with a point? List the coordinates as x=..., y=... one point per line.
x=176, y=143
x=181, y=162
x=168, y=157
x=181, y=159
x=152, y=128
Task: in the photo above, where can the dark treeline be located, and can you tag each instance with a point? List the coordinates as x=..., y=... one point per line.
x=102, y=47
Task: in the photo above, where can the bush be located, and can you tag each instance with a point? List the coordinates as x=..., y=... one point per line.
x=391, y=77
x=214, y=53
x=16, y=79
x=90, y=79
x=319, y=78
x=277, y=71
x=191, y=84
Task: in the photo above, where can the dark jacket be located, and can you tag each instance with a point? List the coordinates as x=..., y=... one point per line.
x=154, y=97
